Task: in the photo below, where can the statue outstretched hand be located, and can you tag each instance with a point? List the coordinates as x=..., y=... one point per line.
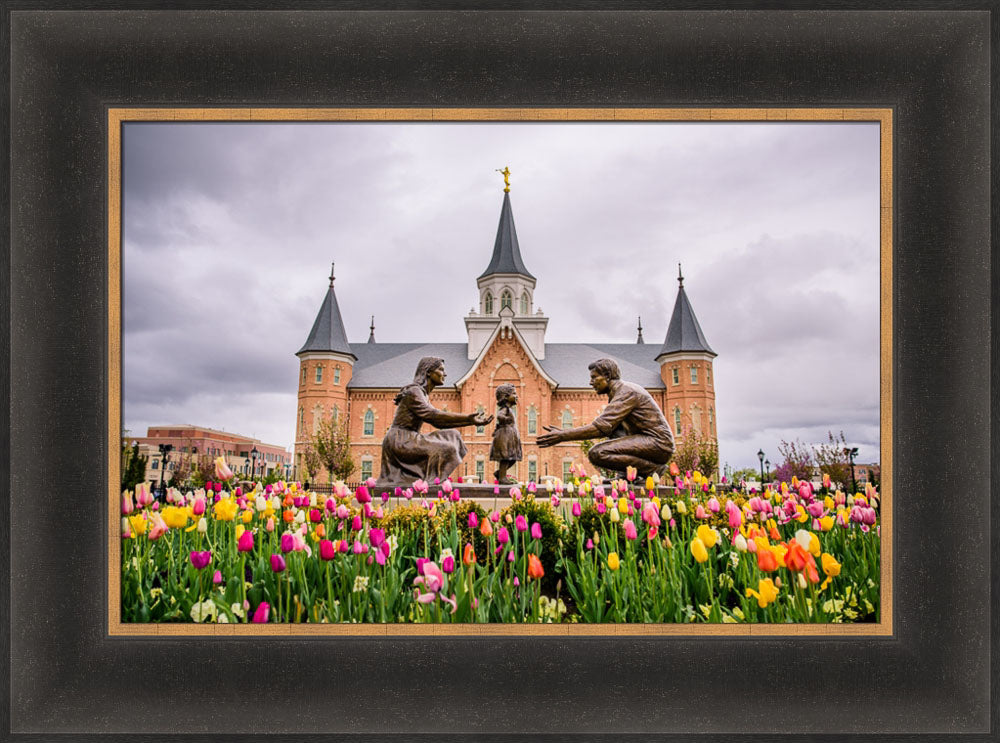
x=551, y=438
x=481, y=419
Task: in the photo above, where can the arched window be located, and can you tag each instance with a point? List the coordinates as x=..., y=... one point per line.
x=677, y=420
x=711, y=418
x=696, y=418
x=317, y=418
x=532, y=420
x=524, y=303
x=567, y=419
x=369, y=429
x=488, y=304
x=335, y=414
x=302, y=419
x=506, y=300
x=480, y=429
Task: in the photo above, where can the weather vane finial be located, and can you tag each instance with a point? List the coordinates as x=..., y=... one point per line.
x=331, y=273
x=680, y=276
x=506, y=178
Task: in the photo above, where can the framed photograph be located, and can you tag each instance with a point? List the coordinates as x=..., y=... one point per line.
x=90, y=90
x=551, y=545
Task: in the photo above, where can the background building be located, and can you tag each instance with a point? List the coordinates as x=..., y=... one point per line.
x=505, y=343
x=195, y=443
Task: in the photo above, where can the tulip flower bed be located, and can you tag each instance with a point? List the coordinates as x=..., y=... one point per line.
x=575, y=552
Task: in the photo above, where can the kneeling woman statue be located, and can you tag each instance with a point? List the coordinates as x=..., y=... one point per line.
x=407, y=454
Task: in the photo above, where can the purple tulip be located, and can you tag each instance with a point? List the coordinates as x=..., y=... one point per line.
x=200, y=560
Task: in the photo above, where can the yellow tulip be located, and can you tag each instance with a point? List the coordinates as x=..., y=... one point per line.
x=814, y=545
x=138, y=524
x=708, y=536
x=239, y=530
x=623, y=505
x=826, y=523
x=174, y=517
x=681, y=507
x=830, y=565
x=829, y=502
x=614, y=515
x=613, y=562
x=225, y=509
x=650, y=485
x=765, y=594
x=247, y=516
x=696, y=477
x=698, y=550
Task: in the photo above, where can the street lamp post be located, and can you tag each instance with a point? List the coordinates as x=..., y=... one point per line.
x=760, y=457
x=851, y=454
x=767, y=468
x=254, y=454
x=164, y=457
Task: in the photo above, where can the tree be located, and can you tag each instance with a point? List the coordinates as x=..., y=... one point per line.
x=133, y=466
x=333, y=447
x=832, y=461
x=311, y=461
x=797, y=462
x=697, y=452
x=747, y=473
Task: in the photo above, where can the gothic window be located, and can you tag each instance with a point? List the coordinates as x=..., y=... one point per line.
x=366, y=469
x=303, y=375
x=302, y=416
x=696, y=418
x=336, y=375
x=506, y=299
x=676, y=375
x=317, y=418
x=369, y=429
x=488, y=304
x=532, y=420
x=524, y=303
x=677, y=420
x=711, y=418
x=532, y=470
x=319, y=374
x=335, y=414
x=694, y=375
x=480, y=429
x=567, y=419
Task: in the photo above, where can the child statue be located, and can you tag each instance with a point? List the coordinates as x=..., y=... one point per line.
x=506, y=448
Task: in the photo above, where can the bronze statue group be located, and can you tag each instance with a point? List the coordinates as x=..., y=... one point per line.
x=634, y=431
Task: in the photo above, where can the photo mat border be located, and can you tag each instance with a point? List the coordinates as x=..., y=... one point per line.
x=119, y=117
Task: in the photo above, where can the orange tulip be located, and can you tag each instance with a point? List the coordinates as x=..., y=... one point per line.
x=288, y=516
x=468, y=555
x=766, y=560
x=795, y=558
x=320, y=530
x=535, y=569
x=484, y=528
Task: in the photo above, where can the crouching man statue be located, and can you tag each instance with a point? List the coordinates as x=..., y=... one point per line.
x=407, y=454
x=637, y=433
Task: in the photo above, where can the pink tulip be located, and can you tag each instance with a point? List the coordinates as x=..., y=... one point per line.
x=590, y=544
x=377, y=537
x=700, y=512
x=126, y=529
x=447, y=564
x=379, y=557
x=326, y=550
x=278, y=564
x=315, y=516
x=343, y=547
x=713, y=504
x=362, y=495
x=576, y=508
x=431, y=578
x=408, y=493
x=356, y=523
x=650, y=515
x=815, y=509
x=516, y=581
x=269, y=525
x=287, y=542
x=200, y=559
x=245, y=542
x=495, y=516
x=630, y=532
x=503, y=536
x=473, y=520
x=127, y=506
x=218, y=487
x=536, y=531
x=521, y=523
x=263, y=611
x=385, y=548
x=651, y=534
x=159, y=527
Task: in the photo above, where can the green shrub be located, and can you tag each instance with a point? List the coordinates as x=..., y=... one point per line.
x=553, y=531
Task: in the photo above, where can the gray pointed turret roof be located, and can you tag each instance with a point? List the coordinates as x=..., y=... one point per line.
x=684, y=333
x=506, y=253
x=328, y=334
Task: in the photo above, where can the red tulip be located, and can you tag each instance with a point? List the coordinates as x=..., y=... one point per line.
x=327, y=550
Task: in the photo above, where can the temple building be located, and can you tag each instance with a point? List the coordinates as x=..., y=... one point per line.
x=506, y=343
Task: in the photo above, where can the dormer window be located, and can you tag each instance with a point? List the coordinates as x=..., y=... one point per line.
x=506, y=300
x=488, y=304
x=524, y=303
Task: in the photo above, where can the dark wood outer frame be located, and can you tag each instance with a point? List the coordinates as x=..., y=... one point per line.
x=67, y=676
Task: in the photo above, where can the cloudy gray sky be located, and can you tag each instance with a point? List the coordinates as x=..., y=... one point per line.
x=230, y=229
